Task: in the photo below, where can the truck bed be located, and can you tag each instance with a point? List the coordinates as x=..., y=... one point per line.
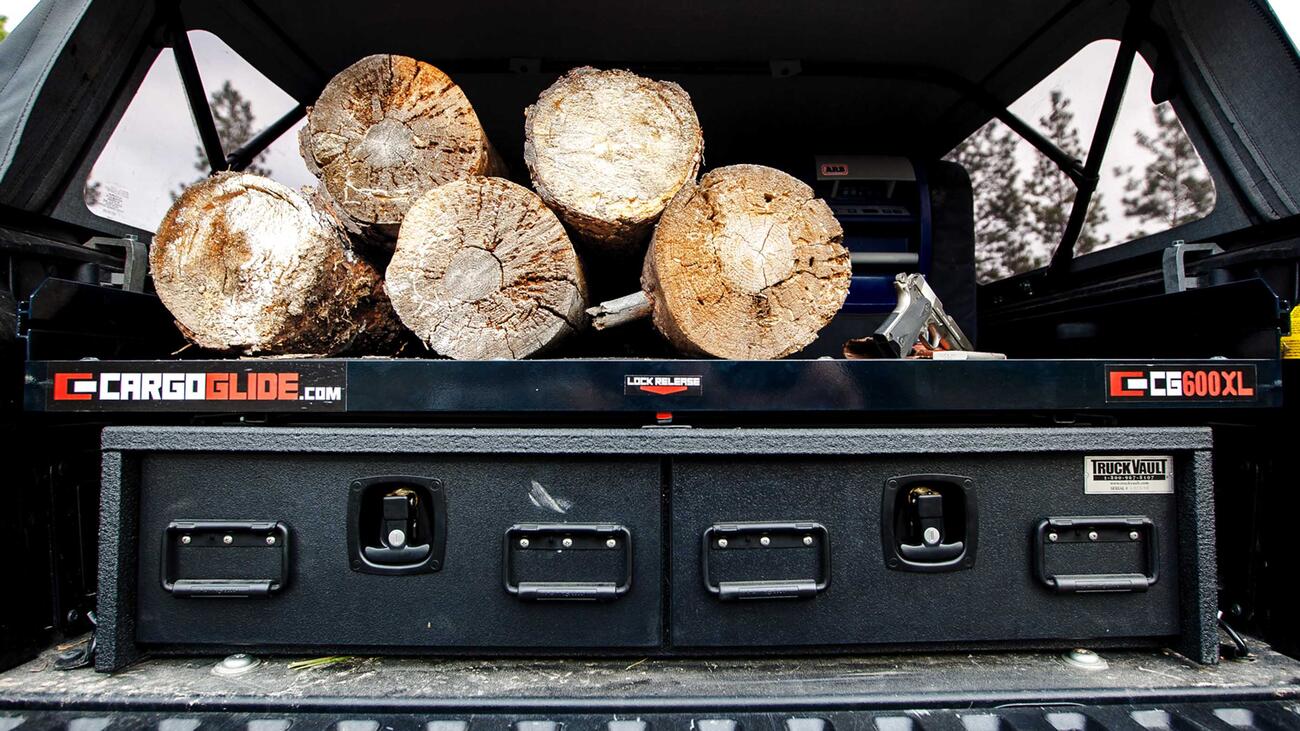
x=368, y=686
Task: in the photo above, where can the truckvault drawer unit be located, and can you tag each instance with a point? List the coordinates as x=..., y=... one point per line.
x=653, y=541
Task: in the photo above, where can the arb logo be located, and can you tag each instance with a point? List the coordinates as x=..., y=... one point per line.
x=834, y=169
x=1179, y=384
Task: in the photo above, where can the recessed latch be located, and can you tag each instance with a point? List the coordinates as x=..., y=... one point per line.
x=929, y=523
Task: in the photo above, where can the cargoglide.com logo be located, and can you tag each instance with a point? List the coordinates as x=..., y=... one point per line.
x=181, y=386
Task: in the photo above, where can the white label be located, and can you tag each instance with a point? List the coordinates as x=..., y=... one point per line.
x=1128, y=475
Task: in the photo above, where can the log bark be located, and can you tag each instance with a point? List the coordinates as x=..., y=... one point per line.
x=746, y=264
x=607, y=150
x=247, y=265
x=483, y=269
x=385, y=130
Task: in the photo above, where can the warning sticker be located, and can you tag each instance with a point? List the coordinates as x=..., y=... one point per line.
x=1128, y=475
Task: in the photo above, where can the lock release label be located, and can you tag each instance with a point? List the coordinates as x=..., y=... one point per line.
x=1128, y=475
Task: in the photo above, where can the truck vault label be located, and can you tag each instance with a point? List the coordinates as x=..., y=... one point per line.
x=1179, y=384
x=663, y=385
x=1126, y=475
x=196, y=386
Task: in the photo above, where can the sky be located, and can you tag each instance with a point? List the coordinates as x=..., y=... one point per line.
x=136, y=189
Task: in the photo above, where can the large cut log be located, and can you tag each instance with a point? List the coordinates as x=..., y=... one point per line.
x=607, y=150
x=483, y=269
x=247, y=265
x=385, y=130
x=746, y=264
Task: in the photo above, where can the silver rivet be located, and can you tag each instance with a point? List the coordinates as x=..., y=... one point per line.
x=807, y=540
x=236, y=665
x=1084, y=659
x=1052, y=537
x=722, y=543
x=227, y=539
x=931, y=536
x=186, y=540
x=1092, y=535
x=611, y=543
x=1133, y=535
x=567, y=542
x=396, y=538
x=270, y=540
x=765, y=541
x=523, y=543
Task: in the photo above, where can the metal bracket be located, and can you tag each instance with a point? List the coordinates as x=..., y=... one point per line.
x=135, y=255
x=1174, y=264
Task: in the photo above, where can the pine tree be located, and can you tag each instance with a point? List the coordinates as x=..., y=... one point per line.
x=989, y=156
x=1174, y=187
x=233, y=115
x=1049, y=193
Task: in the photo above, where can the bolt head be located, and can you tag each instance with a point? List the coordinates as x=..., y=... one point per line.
x=270, y=540
x=567, y=543
x=1085, y=659
x=765, y=541
x=186, y=540
x=1092, y=535
x=1052, y=537
x=807, y=540
x=236, y=665
x=611, y=543
x=227, y=540
x=1133, y=535
x=722, y=543
x=523, y=543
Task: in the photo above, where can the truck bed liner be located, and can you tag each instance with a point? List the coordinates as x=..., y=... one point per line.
x=792, y=684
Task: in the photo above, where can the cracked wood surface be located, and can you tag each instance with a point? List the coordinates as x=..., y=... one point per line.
x=247, y=265
x=385, y=130
x=607, y=150
x=747, y=264
x=483, y=269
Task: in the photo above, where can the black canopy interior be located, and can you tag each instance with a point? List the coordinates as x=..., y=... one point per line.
x=772, y=81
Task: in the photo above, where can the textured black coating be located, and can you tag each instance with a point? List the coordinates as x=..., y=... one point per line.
x=118, y=542
x=617, y=475
x=463, y=604
x=1197, y=562
x=996, y=598
x=651, y=440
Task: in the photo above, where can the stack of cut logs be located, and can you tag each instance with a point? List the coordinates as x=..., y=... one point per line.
x=742, y=263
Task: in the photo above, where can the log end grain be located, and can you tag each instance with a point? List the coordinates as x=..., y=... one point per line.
x=747, y=264
x=608, y=149
x=247, y=265
x=385, y=130
x=484, y=270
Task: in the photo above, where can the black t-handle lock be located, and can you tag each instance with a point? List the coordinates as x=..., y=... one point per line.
x=927, y=505
x=399, y=526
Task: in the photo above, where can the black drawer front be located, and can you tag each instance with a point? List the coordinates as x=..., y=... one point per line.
x=460, y=584
x=988, y=590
